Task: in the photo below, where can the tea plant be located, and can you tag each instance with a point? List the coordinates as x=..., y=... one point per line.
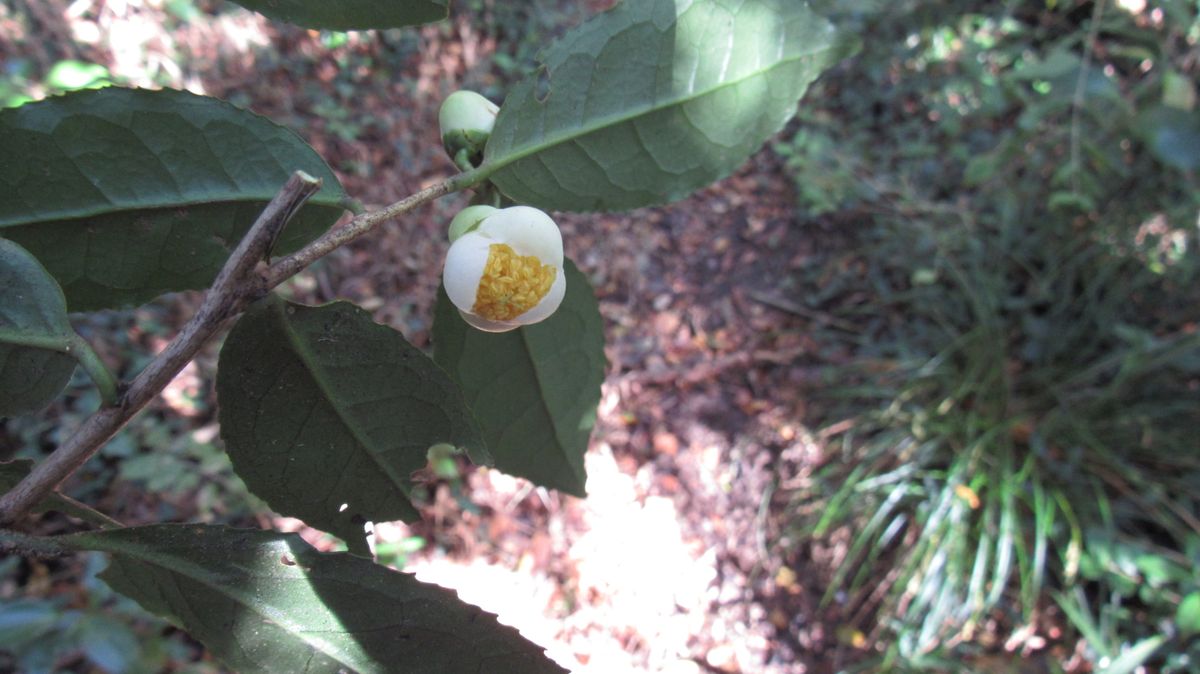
x=112, y=197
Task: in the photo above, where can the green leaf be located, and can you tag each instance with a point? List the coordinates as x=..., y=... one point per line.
x=651, y=100
x=1134, y=657
x=351, y=14
x=1179, y=91
x=125, y=194
x=35, y=335
x=1173, y=136
x=71, y=75
x=534, y=389
x=321, y=406
x=263, y=601
x=1187, y=616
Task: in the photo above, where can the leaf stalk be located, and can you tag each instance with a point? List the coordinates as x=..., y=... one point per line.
x=78, y=348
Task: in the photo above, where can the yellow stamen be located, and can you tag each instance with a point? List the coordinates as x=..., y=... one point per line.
x=511, y=284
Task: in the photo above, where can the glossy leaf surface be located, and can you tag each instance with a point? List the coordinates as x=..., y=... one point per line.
x=125, y=194
x=263, y=601
x=535, y=389
x=651, y=100
x=326, y=414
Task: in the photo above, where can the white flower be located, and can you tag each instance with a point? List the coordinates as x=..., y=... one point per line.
x=466, y=120
x=508, y=270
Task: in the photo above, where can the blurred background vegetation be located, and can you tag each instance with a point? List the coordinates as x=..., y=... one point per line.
x=1003, y=199
x=1014, y=396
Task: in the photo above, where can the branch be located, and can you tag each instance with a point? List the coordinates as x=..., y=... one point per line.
x=289, y=266
x=235, y=288
x=79, y=510
x=31, y=546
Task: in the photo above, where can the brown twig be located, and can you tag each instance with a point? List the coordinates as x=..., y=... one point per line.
x=235, y=286
x=287, y=267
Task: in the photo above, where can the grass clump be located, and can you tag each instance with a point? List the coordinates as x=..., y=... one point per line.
x=1020, y=397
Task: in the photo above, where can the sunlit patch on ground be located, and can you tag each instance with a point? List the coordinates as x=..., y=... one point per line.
x=640, y=589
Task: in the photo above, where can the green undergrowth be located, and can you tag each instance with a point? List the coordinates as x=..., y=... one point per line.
x=83, y=626
x=1010, y=257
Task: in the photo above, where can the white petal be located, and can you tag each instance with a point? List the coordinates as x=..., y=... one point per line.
x=465, y=262
x=542, y=310
x=481, y=323
x=528, y=230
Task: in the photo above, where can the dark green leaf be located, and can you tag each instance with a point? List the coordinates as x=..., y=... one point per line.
x=35, y=334
x=1173, y=136
x=263, y=601
x=654, y=99
x=321, y=406
x=534, y=389
x=126, y=194
x=351, y=14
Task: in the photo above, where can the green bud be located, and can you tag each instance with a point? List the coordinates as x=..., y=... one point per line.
x=466, y=120
x=468, y=219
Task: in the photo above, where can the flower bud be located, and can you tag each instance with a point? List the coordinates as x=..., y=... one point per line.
x=507, y=271
x=468, y=219
x=466, y=120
